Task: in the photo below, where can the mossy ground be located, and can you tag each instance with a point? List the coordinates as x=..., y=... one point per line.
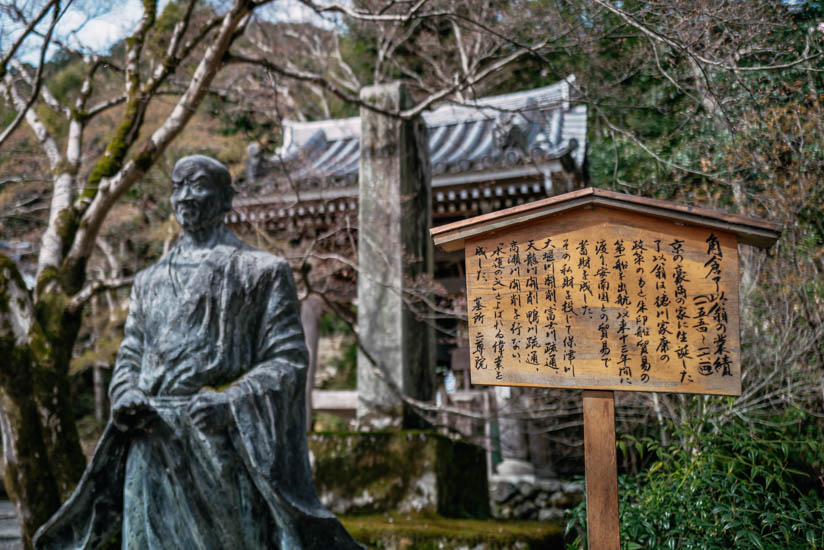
x=408, y=532
x=389, y=469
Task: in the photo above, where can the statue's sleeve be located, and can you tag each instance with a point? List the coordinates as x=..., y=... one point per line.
x=268, y=402
x=280, y=335
x=279, y=346
x=127, y=364
x=269, y=417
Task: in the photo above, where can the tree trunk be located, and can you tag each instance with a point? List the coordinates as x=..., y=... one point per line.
x=99, y=381
x=43, y=457
x=26, y=461
x=52, y=388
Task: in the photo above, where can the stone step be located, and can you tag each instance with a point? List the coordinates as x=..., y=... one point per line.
x=9, y=527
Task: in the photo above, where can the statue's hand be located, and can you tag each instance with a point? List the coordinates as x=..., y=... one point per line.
x=209, y=411
x=132, y=411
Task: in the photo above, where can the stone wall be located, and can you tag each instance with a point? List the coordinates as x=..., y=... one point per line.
x=525, y=497
x=417, y=471
x=406, y=471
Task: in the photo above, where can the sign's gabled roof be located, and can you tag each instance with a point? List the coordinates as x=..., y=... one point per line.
x=749, y=231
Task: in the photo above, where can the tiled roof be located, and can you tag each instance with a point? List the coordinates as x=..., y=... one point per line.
x=523, y=133
x=494, y=153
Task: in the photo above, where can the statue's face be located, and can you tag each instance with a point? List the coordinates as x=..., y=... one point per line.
x=196, y=197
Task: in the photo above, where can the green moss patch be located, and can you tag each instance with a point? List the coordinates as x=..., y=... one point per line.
x=405, y=532
x=411, y=471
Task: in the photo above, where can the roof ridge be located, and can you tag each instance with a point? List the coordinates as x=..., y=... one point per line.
x=443, y=115
x=562, y=87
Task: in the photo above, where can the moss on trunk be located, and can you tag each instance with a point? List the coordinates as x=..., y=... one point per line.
x=28, y=473
x=51, y=355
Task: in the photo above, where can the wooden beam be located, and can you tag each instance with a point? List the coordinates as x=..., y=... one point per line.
x=341, y=403
x=601, y=470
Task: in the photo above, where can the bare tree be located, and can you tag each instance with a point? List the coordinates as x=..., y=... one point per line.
x=42, y=455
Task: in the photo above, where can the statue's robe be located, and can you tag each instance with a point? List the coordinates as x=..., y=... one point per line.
x=232, y=325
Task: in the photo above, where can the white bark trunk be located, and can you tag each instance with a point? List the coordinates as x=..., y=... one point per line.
x=51, y=245
x=34, y=122
x=17, y=310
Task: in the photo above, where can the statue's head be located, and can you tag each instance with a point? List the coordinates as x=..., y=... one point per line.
x=201, y=193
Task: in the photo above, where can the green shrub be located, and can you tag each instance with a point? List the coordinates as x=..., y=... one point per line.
x=742, y=485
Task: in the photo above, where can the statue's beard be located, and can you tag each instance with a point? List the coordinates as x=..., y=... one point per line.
x=198, y=222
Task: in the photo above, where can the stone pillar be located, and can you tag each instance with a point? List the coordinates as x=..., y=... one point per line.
x=311, y=310
x=512, y=433
x=394, y=248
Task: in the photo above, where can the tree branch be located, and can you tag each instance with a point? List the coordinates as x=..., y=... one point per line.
x=629, y=135
x=467, y=82
x=37, y=126
x=115, y=101
x=305, y=76
x=25, y=34
x=691, y=53
x=105, y=105
x=24, y=107
x=325, y=83
x=370, y=16
x=50, y=100
x=172, y=58
x=98, y=285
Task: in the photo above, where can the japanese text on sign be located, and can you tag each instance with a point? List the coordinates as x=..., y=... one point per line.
x=605, y=306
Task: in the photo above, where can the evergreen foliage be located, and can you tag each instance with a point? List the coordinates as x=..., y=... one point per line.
x=741, y=485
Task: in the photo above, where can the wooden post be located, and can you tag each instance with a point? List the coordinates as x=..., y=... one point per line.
x=601, y=470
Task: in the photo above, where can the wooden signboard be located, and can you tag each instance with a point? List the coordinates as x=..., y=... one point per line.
x=603, y=291
x=599, y=298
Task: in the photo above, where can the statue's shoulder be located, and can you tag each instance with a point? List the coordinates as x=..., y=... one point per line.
x=145, y=275
x=254, y=260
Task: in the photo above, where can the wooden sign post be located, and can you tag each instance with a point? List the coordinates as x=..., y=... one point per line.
x=602, y=291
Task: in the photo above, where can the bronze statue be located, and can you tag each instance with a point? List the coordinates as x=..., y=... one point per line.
x=206, y=447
